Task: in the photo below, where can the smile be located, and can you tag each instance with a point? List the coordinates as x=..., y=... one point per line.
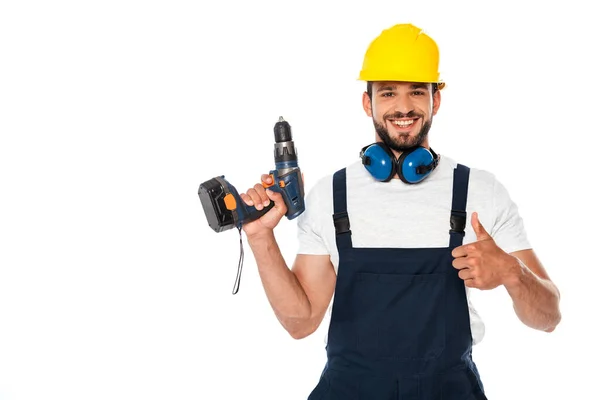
x=403, y=123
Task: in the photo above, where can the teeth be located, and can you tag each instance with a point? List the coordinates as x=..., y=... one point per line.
x=404, y=123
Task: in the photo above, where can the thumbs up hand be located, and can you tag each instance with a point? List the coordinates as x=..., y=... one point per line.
x=482, y=264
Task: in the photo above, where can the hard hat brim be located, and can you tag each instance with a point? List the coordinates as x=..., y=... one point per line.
x=440, y=84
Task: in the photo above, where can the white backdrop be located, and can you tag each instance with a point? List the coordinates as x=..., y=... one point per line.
x=112, y=285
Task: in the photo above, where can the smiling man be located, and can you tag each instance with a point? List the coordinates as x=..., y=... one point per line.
x=412, y=115
x=392, y=244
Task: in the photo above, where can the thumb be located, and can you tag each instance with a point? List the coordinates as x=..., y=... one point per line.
x=278, y=200
x=480, y=231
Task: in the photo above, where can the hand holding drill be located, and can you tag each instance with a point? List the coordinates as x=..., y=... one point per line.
x=225, y=208
x=281, y=192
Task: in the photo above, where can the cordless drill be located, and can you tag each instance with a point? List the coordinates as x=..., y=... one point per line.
x=223, y=206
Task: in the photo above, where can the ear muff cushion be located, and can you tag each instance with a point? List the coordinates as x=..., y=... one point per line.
x=410, y=160
x=381, y=162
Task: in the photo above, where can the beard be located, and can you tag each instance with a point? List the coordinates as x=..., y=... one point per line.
x=405, y=141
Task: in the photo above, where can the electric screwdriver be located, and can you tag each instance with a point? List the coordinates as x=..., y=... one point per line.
x=223, y=206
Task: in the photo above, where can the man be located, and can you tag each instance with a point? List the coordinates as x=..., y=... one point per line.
x=401, y=235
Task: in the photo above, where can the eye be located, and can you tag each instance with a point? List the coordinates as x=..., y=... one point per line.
x=419, y=93
x=387, y=94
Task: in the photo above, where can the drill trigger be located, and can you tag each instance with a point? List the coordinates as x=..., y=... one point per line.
x=265, y=185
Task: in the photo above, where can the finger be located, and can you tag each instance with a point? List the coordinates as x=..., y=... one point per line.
x=465, y=274
x=460, y=251
x=267, y=179
x=246, y=199
x=260, y=190
x=460, y=263
x=472, y=283
x=480, y=231
x=278, y=200
x=255, y=197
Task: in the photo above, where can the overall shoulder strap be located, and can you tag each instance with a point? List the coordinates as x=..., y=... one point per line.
x=458, y=215
x=340, y=213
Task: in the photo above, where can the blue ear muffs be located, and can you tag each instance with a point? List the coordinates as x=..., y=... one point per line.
x=379, y=160
x=412, y=166
x=416, y=164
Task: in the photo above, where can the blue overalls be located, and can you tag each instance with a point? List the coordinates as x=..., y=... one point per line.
x=400, y=324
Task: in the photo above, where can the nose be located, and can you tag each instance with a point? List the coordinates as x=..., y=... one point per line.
x=404, y=104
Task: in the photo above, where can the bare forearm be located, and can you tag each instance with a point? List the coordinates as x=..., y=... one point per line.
x=284, y=292
x=535, y=300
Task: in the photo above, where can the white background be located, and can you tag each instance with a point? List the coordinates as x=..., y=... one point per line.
x=112, y=285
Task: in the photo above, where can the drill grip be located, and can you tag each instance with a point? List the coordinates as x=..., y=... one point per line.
x=253, y=214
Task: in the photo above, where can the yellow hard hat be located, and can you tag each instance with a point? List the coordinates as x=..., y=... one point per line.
x=402, y=53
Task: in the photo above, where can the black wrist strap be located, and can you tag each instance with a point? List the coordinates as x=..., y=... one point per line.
x=236, y=285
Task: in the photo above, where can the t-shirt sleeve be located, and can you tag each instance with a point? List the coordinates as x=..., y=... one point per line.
x=508, y=230
x=310, y=231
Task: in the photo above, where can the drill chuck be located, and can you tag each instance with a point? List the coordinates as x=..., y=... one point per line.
x=283, y=131
x=285, y=150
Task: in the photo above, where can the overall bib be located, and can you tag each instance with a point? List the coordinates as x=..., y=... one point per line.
x=400, y=327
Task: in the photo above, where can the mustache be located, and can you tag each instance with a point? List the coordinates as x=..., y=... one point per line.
x=399, y=115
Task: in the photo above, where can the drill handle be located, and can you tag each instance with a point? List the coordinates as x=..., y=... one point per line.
x=253, y=214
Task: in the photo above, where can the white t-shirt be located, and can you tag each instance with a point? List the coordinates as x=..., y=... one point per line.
x=396, y=214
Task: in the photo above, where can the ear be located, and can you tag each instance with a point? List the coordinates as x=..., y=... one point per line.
x=367, y=104
x=437, y=99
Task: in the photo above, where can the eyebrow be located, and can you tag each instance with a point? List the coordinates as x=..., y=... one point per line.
x=419, y=86
x=412, y=87
x=384, y=88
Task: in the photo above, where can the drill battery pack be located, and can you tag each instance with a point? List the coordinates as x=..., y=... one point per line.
x=213, y=194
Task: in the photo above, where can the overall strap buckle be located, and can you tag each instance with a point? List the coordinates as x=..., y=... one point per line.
x=458, y=222
x=341, y=222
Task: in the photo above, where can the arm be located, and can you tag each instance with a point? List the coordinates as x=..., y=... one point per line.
x=535, y=297
x=300, y=296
